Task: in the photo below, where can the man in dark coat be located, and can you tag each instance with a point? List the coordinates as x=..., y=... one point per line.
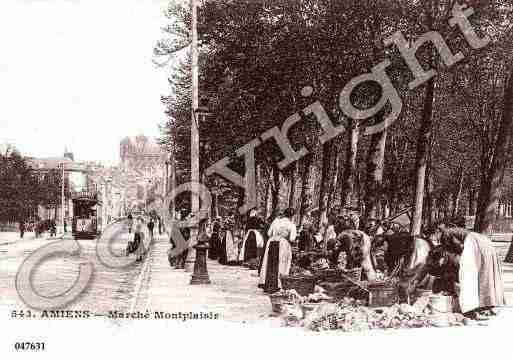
x=151, y=225
x=22, y=229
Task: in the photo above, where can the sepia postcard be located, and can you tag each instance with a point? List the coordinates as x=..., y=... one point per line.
x=256, y=178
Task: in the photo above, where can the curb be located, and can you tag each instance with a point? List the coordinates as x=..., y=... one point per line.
x=141, y=276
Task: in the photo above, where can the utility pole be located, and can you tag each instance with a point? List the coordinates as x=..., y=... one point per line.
x=62, y=198
x=195, y=178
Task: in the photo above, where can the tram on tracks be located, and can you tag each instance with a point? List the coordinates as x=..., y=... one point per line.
x=86, y=215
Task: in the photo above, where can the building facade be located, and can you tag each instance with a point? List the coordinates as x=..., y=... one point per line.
x=142, y=161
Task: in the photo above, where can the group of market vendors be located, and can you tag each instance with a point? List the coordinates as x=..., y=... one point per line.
x=460, y=259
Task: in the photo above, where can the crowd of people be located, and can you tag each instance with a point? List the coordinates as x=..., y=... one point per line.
x=39, y=227
x=456, y=260
x=445, y=258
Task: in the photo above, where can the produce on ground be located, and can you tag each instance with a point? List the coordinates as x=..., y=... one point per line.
x=351, y=315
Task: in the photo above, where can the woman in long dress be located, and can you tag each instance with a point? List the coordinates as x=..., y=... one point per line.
x=213, y=252
x=232, y=247
x=278, y=253
x=140, y=250
x=229, y=249
x=480, y=272
x=253, y=244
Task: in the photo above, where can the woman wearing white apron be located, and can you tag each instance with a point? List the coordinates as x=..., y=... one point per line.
x=231, y=244
x=278, y=252
x=480, y=272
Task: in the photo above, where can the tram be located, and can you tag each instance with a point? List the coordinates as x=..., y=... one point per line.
x=86, y=210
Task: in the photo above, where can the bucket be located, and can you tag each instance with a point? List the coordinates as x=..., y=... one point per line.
x=441, y=303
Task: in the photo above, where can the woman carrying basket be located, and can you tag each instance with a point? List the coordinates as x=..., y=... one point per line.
x=278, y=252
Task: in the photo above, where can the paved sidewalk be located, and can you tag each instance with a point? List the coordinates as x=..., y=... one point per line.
x=233, y=294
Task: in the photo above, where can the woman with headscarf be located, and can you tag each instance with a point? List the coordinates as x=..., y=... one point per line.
x=480, y=272
x=278, y=253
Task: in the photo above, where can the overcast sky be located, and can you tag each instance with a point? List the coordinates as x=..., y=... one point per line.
x=78, y=73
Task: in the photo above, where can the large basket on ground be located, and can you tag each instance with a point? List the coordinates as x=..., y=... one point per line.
x=341, y=290
x=382, y=294
x=303, y=284
x=339, y=275
x=279, y=300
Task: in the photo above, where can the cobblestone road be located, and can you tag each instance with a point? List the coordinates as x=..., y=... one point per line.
x=109, y=288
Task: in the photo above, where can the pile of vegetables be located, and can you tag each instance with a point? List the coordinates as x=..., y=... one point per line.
x=351, y=315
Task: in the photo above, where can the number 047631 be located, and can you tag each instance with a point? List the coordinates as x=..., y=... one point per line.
x=29, y=346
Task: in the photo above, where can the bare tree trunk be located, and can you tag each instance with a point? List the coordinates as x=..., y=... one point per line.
x=374, y=180
x=267, y=198
x=292, y=191
x=423, y=144
x=334, y=175
x=471, y=195
x=490, y=187
x=305, y=176
x=323, y=198
x=349, y=180
x=429, y=195
x=459, y=189
x=275, y=192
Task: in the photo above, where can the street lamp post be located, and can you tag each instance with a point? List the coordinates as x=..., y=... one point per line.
x=200, y=275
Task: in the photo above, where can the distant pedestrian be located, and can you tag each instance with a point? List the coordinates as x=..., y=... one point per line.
x=65, y=227
x=140, y=250
x=160, y=225
x=22, y=229
x=151, y=225
x=37, y=227
x=53, y=229
x=130, y=222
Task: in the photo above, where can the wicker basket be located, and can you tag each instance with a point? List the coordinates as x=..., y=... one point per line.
x=321, y=275
x=382, y=294
x=339, y=275
x=352, y=275
x=340, y=290
x=303, y=284
x=279, y=300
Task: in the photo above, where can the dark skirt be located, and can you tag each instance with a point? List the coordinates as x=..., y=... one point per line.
x=250, y=248
x=222, y=256
x=273, y=261
x=213, y=252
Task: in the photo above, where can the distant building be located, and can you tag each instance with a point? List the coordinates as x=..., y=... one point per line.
x=69, y=154
x=141, y=154
x=79, y=177
x=143, y=162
